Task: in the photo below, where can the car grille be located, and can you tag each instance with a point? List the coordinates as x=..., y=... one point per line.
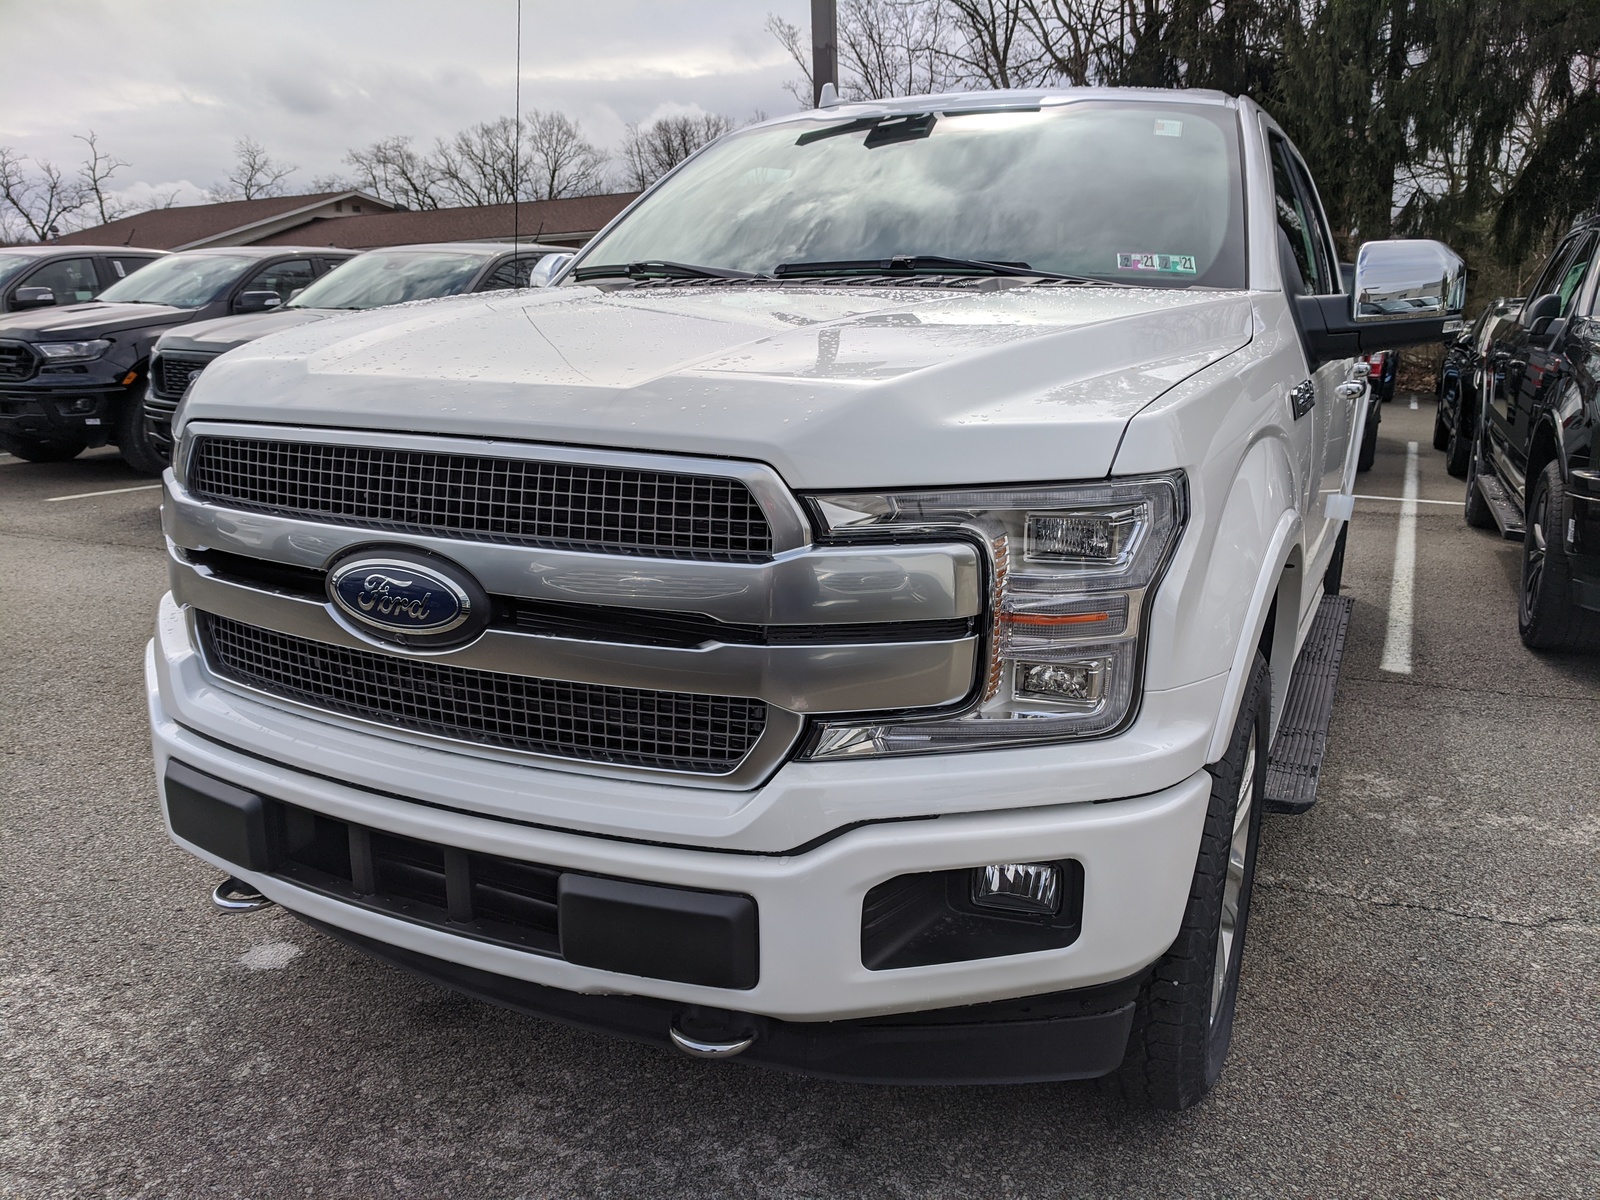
x=674, y=731
x=17, y=361
x=172, y=373
x=573, y=506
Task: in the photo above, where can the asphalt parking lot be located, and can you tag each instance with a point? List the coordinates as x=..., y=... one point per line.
x=1420, y=1006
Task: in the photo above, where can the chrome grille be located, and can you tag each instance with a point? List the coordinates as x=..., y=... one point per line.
x=172, y=373
x=675, y=731
x=571, y=506
x=17, y=361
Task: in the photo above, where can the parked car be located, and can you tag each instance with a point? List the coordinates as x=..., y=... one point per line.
x=1382, y=369
x=73, y=377
x=1460, y=383
x=372, y=280
x=43, y=276
x=1533, y=473
x=842, y=622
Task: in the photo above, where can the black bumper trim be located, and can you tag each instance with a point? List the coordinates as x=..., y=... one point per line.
x=1040, y=1039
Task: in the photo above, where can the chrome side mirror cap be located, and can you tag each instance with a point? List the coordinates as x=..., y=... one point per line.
x=1407, y=280
x=547, y=268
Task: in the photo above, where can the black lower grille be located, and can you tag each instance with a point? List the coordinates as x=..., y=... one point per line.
x=17, y=361
x=172, y=373
x=675, y=731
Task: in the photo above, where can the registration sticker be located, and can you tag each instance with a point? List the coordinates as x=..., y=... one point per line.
x=1172, y=264
x=1169, y=128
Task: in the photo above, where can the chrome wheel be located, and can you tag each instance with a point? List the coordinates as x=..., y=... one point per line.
x=1233, y=886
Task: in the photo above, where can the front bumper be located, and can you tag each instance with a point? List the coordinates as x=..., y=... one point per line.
x=1137, y=856
x=66, y=411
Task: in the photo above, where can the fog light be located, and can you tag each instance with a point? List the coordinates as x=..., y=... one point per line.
x=83, y=404
x=1018, y=887
x=1081, y=682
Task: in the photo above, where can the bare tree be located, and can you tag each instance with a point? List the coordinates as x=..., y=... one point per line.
x=36, y=198
x=392, y=170
x=650, y=151
x=255, y=174
x=561, y=161
x=95, y=175
x=788, y=36
x=480, y=165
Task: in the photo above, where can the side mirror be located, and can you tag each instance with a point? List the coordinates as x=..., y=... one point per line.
x=547, y=268
x=32, y=297
x=295, y=295
x=251, y=302
x=1403, y=292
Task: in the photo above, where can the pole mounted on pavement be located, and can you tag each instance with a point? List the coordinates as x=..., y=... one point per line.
x=824, y=47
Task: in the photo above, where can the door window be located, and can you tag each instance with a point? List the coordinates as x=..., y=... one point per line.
x=71, y=279
x=513, y=273
x=1300, y=228
x=1548, y=278
x=285, y=278
x=1571, y=281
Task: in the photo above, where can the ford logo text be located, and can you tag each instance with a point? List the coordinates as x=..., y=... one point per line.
x=407, y=598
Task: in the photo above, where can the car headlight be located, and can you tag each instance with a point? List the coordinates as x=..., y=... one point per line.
x=1071, y=569
x=73, y=351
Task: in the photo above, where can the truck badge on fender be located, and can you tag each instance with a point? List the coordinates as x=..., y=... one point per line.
x=407, y=598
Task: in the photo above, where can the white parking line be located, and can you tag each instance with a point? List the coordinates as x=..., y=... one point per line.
x=1413, y=404
x=1402, y=500
x=143, y=487
x=1402, y=583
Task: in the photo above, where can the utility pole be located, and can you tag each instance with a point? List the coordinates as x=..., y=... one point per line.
x=824, y=47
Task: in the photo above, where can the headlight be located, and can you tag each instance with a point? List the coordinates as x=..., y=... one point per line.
x=73, y=351
x=1071, y=569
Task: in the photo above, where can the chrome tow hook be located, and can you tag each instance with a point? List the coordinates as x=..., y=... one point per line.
x=701, y=1048
x=235, y=895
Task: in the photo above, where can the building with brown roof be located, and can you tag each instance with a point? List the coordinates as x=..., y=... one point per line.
x=355, y=220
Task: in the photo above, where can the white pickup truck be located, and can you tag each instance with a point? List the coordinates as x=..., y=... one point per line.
x=848, y=620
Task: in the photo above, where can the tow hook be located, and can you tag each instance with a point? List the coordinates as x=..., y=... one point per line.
x=711, y=1033
x=235, y=895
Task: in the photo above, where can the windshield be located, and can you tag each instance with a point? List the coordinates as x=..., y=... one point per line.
x=10, y=264
x=1146, y=194
x=382, y=277
x=180, y=280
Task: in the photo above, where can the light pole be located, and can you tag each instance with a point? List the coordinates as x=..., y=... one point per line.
x=824, y=47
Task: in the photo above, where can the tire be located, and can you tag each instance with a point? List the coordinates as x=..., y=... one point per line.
x=39, y=450
x=1441, y=431
x=1183, y=1019
x=133, y=438
x=1333, y=578
x=1369, y=443
x=1477, y=508
x=1547, y=618
x=1458, y=447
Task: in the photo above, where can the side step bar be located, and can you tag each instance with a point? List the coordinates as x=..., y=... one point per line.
x=1296, y=762
x=1505, y=512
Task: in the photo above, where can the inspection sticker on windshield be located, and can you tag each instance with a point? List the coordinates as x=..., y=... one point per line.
x=1169, y=128
x=1172, y=264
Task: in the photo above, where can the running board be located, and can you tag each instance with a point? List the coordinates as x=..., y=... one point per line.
x=1505, y=512
x=1296, y=762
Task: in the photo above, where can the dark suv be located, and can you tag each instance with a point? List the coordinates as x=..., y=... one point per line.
x=375, y=279
x=72, y=377
x=45, y=276
x=1460, y=378
x=1533, y=472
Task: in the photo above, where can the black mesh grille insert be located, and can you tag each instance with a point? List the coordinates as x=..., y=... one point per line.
x=627, y=726
x=610, y=509
x=173, y=373
x=17, y=361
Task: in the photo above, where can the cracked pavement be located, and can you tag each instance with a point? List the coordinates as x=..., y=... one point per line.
x=1419, y=1011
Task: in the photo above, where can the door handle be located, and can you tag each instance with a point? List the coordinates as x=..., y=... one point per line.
x=1350, y=391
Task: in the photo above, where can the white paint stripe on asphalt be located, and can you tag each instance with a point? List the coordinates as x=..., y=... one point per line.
x=1402, y=500
x=143, y=487
x=1413, y=404
x=1402, y=583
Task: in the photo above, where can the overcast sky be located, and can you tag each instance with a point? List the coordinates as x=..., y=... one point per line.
x=170, y=84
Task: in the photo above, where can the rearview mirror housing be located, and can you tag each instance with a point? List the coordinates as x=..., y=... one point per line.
x=32, y=297
x=252, y=302
x=1404, y=291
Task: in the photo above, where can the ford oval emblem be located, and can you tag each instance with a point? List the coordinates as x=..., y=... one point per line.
x=407, y=598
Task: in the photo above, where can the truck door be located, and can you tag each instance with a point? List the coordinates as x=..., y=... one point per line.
x=1545, y=353
x=1506, y=370
x=1321, y=434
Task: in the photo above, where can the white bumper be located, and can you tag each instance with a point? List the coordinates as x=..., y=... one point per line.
x=1138, y=858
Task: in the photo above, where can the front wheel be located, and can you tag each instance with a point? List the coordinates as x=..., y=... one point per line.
x=1441, y=431
x=133, y=438
x=1458, y=446
x=1183, y=1020
x=1477, y=509
x=1369, y=442
x=1547, y=618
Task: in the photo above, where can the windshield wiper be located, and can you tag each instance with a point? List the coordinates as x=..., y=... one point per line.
x=911, y=264
x=660, y=267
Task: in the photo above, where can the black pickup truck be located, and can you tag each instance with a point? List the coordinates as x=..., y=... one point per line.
x=1533, y=473
x=72, y=376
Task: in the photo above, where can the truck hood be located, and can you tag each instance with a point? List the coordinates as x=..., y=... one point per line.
x=834, y=387
x=224, y=333
x=79, y=322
